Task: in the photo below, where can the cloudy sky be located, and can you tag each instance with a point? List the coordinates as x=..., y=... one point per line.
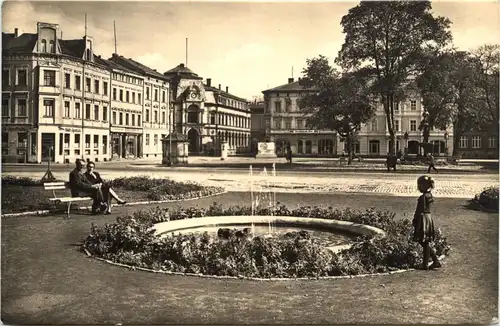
x=246, y=46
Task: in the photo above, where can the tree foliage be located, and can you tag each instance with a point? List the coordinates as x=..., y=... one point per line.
x=391, y=41
x=335, y=102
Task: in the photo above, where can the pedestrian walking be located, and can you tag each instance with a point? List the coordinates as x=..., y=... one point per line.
x=431, y=162
x=423, y=223
x=289, y=154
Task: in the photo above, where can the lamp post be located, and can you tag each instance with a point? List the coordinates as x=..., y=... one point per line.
x=406, y=136
x=446, y=136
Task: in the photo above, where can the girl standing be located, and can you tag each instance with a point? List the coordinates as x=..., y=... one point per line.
x=424, y=225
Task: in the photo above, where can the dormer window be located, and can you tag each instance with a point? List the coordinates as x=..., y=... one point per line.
x=44, y=46
x=52, y=47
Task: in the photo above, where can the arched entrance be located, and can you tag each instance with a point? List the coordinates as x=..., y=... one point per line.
x=194, y=140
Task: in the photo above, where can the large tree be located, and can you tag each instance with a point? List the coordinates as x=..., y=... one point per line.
x=341, y=103
x=391, y=41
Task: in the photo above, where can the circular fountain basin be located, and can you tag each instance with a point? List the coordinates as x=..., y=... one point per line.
x=333, y=234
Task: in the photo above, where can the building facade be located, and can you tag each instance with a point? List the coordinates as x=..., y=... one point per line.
x=479, y=144
x=286, y=125
x=208, y=115
x=62, y=111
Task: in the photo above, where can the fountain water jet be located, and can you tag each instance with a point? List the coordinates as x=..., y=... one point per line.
x=264, y=195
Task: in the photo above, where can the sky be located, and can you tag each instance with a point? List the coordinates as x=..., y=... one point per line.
x=248, y=47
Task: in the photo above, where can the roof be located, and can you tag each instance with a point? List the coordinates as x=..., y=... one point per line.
x=176, y=136
x=74, y=48
x=114, y=65
x=256, y=106
x=181, y=70
x=290, y=87
x=23, y=43
x=136, y=66
x=215, y=90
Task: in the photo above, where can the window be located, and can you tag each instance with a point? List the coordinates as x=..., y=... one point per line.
x=163, y=117
x=464, y=142
x=121, y=95
x=156, y=95
x=114, y=94
x=104, y=144
x=300, y=124
x=96, y=141
x=120, y=120
x=127, y=97
x=155, y=116
x=49, y=78
x=66, y=109
x=413, y=125
x=96, y=86
x=5, y=77
x=87, y=84
x=374, y=125
x=147, y=139
x=476, y=141
x=67, y=81
x=212, y=118
x=21, y=107
x=155, y=140
x=78, y=83
x=492, y=142
x=147, y=93
x=87, y=141
x=139, y=98
x=374, y=146
x=77, y=111
x=396, y=125
x=105, y=88
x=66, y=140
x=147, y=115
x=288, y=124
x=139, y=120
x=22, y=77
x=87, y=111
x=133, y=119
x=126, y=119
x=133, y=97
x=44, y=46
x=277, y=124
x=395, y=105
x=77, y=140
x=52, y=47
x=104, y=113
x=114, y=118
x=96, y=112
x=277, y=106
x=163, y=96
x=49, y=105
x=413, y=105
x=5, y=106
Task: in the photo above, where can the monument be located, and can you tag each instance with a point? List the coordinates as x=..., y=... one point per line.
x=175, y=149
x=266, y=150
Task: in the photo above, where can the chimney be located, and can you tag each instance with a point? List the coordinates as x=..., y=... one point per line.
x=219, y=86
x=16, y=32
x=209, y=82
x=290, y=80
x=181, y=65
x=227, y=89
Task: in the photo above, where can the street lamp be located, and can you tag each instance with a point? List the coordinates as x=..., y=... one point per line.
x=446, y=136
x=406, y=136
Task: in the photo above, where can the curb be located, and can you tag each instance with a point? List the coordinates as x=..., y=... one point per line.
x=398, y=271
x=45, y=212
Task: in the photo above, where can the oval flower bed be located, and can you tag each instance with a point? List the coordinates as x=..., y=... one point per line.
x=132, y=241
x=487, y=200
x=22, y=194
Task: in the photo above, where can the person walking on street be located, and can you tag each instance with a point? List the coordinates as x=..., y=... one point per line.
x=431, y=163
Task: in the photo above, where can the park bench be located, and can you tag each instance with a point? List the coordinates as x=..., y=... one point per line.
x=343, y=160
x=61, y=186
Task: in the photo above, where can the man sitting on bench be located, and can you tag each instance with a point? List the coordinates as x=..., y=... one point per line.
x=81, y=187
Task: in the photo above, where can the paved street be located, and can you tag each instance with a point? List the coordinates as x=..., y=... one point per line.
x=448, y=185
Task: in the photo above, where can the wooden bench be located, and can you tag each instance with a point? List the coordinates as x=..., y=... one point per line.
x=61, y=186
x=343, y=159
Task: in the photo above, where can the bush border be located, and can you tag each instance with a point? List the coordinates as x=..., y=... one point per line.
x=47, y=212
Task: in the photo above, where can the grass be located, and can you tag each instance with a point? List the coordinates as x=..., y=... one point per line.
x=16, y=199
x=46, y=280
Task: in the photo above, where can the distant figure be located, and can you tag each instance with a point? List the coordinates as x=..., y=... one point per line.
x=107, y=192
x=81, y=187
x=424, y=232
x=430, y=162
x=289, y=154
x=391, y=162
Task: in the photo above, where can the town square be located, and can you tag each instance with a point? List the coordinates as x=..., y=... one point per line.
x=225, y=163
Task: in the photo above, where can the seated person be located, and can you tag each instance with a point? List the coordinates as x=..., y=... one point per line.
x=108, y=193
x=81, y=187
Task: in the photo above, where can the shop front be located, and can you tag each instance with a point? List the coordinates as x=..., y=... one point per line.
x=126, y=143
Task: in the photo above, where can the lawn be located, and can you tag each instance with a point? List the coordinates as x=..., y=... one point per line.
x=45, y=279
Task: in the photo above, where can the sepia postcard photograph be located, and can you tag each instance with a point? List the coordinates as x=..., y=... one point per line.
x=250, y=162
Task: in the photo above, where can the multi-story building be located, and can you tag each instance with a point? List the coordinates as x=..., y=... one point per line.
x=55, y=98
x=208, y=115
x=479, y=144
x=126, y=128
x=286, y=125
x=258, y=123
x=156, y=101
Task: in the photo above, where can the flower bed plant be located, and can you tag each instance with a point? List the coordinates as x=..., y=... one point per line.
x=22, y=194
x=132, y=241
x=487, y=200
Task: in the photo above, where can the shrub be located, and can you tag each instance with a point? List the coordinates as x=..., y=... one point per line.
x=487, y=199
x=293, y=254
x=11, y=180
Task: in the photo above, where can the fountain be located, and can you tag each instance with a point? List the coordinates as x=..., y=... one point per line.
x=263, y=197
